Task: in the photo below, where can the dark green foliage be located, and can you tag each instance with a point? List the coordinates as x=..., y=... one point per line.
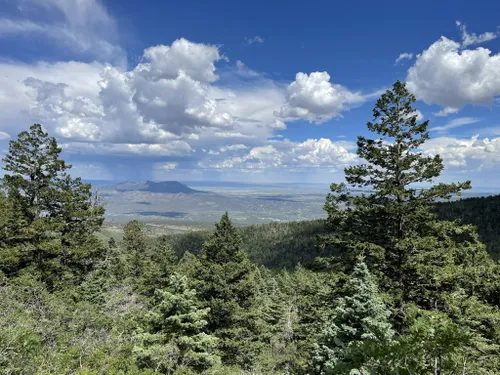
x=283, y=245
x=482, y=212
x=135, y=247
x=191, y=242
x=225, y=284
x=395, y=227
x=274, y=245
x=146, y=262
x=416, y=258
x=174, y=336
x=424, y=300
x=51, y=217
x=434, y=344
x=307, y=303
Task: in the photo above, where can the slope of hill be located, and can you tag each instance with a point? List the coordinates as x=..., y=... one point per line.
x=483, y=212
x=283, y=245
x=274, y=245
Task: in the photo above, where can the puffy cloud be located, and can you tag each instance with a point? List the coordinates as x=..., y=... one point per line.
x=277, y=124
x=287, y=154
x=196, y=60
x=470, y=39
x=74, y=115
x=60, y=86
x=404, y=56
x=448, y=76
x=471, y=153
x=97, y=108
x=83, y=26
x=322, y=152
x=253, y=107
x=150, y=103
x=313, y=97
x=4, y=135
x=230, y=148
x=178, y=105
x=455, y=123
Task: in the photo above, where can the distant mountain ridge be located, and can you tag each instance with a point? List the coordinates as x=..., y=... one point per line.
x=165, y=187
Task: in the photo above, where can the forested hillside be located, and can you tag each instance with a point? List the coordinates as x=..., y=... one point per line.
x=483, y=212
x=274, y=245
x=284, y=245
x=396, y=289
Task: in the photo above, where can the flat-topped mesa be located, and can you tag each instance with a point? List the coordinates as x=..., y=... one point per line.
x=165, y=187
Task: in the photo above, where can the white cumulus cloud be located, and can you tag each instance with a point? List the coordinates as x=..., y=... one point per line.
x=175, y=107
x=196, y=60
x=312, y=153
x=473, y=153
x=446, y=75
x=314, y=98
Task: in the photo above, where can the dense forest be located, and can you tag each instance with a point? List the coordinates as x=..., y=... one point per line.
x=482, y=212
x=383, y=286
x=275, y=245
x=281, y=245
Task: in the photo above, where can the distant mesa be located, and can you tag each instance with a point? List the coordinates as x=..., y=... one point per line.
x=170, y=214
x=165, y=187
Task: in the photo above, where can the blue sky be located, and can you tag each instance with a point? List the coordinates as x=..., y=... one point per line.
x=246, y=91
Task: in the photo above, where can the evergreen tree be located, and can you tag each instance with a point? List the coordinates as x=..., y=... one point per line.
x=394, y=227
x=305, y=311
x=434, y=344
x=277, y=319
x=416, y=258
x=175, y=336
x=53, y=216
x=225, y=284
x=35, y=168
x=159, y=263
x=135, y=247
x=8, y=256
x=353, y=341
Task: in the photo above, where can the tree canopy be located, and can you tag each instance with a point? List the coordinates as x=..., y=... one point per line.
x=396, y=289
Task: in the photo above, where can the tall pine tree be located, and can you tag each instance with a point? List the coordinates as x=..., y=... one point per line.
x=225, y=284
x=416, y=258
x=53, y=216
x=135, y=246
x=394, y=225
